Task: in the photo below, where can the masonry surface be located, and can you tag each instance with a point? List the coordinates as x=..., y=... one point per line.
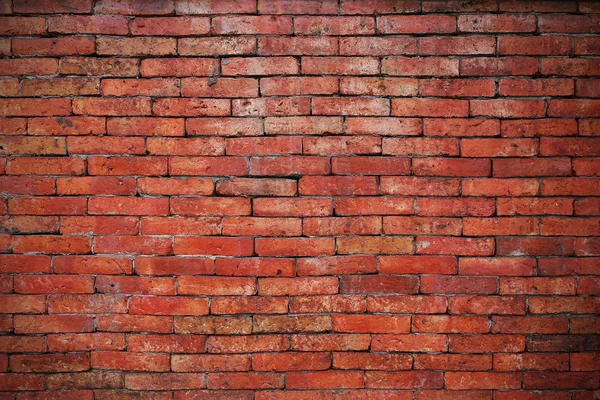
x=312, y=199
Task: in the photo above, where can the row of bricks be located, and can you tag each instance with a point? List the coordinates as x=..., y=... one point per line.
x=301, y=246
x=314, y=380
x=350, y=155
x=190, y=7
x=301, y=125
x=295, y=86
x=293, y=226
x=283, y=187
x=286, y=65
x=346, y=106
x=174, y=266
x=294, y=45
x=271, y=362
x=337, y=394
x=242, y=285
x=299, y=25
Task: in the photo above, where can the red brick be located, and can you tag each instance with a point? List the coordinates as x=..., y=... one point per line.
x=586, y=46
x=213, y=325
x=173, y=266
x=34, y=107
x=207, y=166
x=66, y=126
x=92, y=265
x=86, y=304
x=290, y=362
x=370, y=324
x=95, y=185
x=410, y=343
x=21, y=382
x=379, y=86
x=418, y=24
x=430, y=107
x=135, y=285
x=256, y=226
x=212, y=46
x=185, y=146
x=44, y=166
x=303, y=125
x=294, y=246
x=325, y=380
x=255, y=267
x=419, y=186
x=121, y=205
x=528, y=324
x=350, y=106
x=260, y=66
x=534, y=206
x=378, y=7
x=29, y=224
x=130, y=361
x=486, y=343
x=54, y=284
x=210, y=363
x=27, y=185
x=482, y=380
x=346, y=145
x=450, y=394
x=174, y=186
x=127, y=165
x=452, y=46
x=256, y=187
x=22, y=26
x=294, y=45
x=94, y=24
x=60, y=87
x=22, y=304
x=486, y=305
x=340, y=65
x=484, y=66
x=458, y=284
x=99, y=66
x=208, y=245
x=271, y=106
x=210, y=206
x=179, y=67
x=222, y=87
x=28, y=66
x=461, y=127
x=52, y=324
x=337, y=186
x=335, y=26
x=215, y=7
x=385, y=205
x=299, y=207
x=509, y=246
x=451, y=167
x=428, y=66
x=61, y=46
x=453, y=362
x=496, y=23
x=568, y=66
x=292, y=86
x=497, y=266
x=251, y=25
x=224, y=126
x=134, y=323
x=111, y=107
x=332, y=303
x=378, y=284
x=191, y=107
x=160, y=381
x=52, y=244
x=263, y=146
x=377, y=46
x=570, y=186
x=170, y=26
x=291, y=7
x=560, y=380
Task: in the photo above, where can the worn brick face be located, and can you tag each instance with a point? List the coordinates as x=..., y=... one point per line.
x=299, y=199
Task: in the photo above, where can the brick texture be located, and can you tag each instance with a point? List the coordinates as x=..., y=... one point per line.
x=308, y=199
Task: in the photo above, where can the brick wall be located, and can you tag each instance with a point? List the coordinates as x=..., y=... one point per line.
x=285, y=200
